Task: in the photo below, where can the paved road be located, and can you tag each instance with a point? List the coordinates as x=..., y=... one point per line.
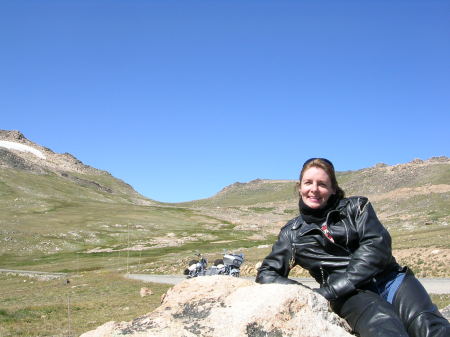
x=432, y=285
x=32, y=272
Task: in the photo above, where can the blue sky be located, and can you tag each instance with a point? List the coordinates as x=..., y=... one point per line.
x=181, y=98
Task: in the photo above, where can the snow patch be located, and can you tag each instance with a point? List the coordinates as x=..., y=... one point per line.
x=21, y=147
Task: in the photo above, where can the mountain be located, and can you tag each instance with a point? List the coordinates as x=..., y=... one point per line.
x=56, y=208
x=51, y=201
x=32, y=163
x=59, y=214
x=372, y=181
x=404, y=195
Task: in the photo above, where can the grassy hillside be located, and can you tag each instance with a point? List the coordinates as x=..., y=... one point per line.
x=96, y=228
x=50, y=217
x=251, y=193
x=96, y=218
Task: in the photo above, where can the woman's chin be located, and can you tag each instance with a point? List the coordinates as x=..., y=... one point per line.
x=314, y=205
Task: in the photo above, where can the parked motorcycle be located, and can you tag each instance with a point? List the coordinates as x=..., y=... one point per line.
x=196, y=267
x=229, y=265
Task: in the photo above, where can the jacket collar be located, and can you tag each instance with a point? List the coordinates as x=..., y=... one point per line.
x=305, y=227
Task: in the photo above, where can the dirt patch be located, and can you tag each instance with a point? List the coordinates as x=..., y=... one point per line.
x=408, y=192
x=425, y=262
x=158, y=242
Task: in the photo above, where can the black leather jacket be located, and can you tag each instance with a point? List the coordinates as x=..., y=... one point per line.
x=360, y=254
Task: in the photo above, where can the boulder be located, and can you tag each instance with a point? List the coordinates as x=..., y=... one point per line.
x=217, y=306
x=145, y=292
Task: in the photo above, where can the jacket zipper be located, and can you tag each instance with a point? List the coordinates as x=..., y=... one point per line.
x=322, y=276
x=292, y=259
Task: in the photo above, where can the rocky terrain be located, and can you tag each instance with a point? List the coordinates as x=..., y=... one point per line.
x=20, y=153
x=218, y=306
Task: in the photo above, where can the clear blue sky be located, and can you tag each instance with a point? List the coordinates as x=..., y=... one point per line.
x=181, y=98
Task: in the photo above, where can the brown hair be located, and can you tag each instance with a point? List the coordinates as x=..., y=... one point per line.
x=328, y=167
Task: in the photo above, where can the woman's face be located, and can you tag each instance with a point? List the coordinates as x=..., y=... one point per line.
x=315, y=187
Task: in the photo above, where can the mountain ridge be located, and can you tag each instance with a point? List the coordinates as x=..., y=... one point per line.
x=19, y=153
x=65, y=164
x=51, y=160
x=367, y=181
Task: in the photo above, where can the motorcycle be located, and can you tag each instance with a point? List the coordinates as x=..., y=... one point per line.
x=196, y=267
x=229, y=265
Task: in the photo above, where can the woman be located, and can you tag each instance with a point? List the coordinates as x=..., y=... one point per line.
x=343, y=245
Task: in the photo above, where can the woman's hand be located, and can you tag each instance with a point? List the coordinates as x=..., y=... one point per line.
x=326, y=292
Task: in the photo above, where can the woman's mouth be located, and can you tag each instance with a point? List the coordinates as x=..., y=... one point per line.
x=314, y=199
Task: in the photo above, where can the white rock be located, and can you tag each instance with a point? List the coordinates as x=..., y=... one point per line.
x=222, y=306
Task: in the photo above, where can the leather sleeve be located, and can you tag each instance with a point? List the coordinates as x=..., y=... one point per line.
x=371, y=257
x=275, y=267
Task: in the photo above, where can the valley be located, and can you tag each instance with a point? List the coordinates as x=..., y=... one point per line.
x=61, y=216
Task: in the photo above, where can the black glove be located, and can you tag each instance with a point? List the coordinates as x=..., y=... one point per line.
x=326, y=292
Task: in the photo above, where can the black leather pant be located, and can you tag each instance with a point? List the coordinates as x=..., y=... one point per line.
x=412, y=314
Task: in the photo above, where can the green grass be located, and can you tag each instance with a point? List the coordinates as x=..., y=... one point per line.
x=77, y=228
x=441, y=300
x=262, y=209
x=424, y=236
x=29, y=307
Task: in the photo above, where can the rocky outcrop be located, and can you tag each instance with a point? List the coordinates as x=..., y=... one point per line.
x=217, y=306
x=12, y=135
x=11, y=160
x=40, y=158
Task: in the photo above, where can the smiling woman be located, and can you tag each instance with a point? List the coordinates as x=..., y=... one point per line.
x=316, y=187
x=343, y=245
